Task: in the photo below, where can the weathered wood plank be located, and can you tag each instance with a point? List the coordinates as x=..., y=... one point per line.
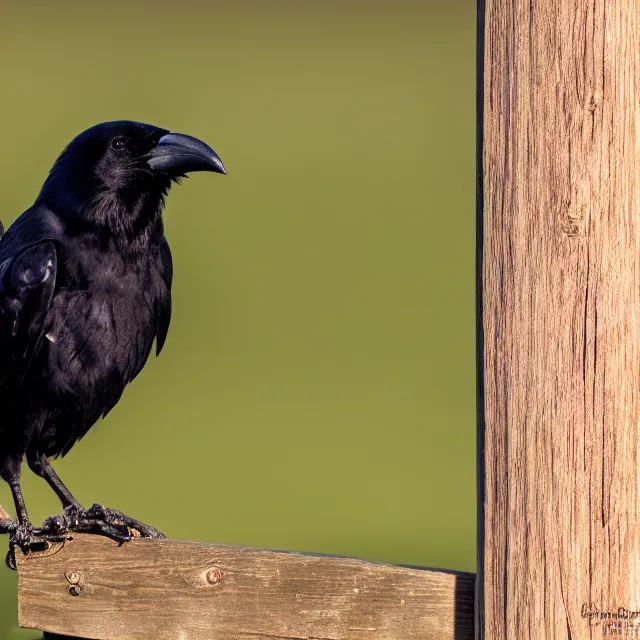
x=560, y=267
x=170, y=590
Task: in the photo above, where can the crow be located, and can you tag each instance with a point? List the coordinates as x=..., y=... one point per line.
x=85, y=290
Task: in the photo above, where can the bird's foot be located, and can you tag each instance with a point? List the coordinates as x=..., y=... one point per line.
x=100, y=520
x=21, y=536
x=25, y=537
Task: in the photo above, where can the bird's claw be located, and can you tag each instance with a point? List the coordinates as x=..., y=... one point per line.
x=55, y=525
x=23, y=536
x=100, y=520
x=119, y=519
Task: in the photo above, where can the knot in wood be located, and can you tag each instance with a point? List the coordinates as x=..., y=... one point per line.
x=214, y=576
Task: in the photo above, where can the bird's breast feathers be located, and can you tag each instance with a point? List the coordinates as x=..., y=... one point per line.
x=101, y=337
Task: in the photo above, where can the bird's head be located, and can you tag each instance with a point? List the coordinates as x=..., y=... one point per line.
x=116, y=174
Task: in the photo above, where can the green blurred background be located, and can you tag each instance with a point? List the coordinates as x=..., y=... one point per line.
x=317, y=388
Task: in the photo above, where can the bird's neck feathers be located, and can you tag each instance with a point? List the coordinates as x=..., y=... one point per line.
x=131, y=215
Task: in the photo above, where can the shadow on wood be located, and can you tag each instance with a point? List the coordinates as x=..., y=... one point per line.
x=90, y=587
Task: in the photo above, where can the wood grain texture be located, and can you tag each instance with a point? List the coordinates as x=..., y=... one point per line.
x=190, y=591
x=3, y=514
x=560, y=267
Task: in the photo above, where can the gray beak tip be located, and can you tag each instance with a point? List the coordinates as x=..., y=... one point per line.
x=220, y=166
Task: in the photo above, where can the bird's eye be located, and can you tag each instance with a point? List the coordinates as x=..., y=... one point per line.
x=119, y=144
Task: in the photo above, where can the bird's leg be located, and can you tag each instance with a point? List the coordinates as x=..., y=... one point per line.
x=40, y=466
x=97, y=519
x=21, y=531
x=18, y=500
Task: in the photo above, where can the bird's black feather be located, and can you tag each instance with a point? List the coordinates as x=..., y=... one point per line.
x=163, y=309
x=27, y=284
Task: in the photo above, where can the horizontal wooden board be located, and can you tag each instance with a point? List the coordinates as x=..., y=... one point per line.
x=90, y=587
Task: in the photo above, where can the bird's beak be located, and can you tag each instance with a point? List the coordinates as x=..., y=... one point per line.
x=177, y=154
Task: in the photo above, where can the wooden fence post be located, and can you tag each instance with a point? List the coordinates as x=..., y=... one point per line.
x=559, y=548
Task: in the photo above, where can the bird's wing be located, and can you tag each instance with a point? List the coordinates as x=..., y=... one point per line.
x=27, y=283
x=163, y=310
x=35, y=225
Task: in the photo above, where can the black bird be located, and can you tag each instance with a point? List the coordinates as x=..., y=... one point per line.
x=85, y=289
